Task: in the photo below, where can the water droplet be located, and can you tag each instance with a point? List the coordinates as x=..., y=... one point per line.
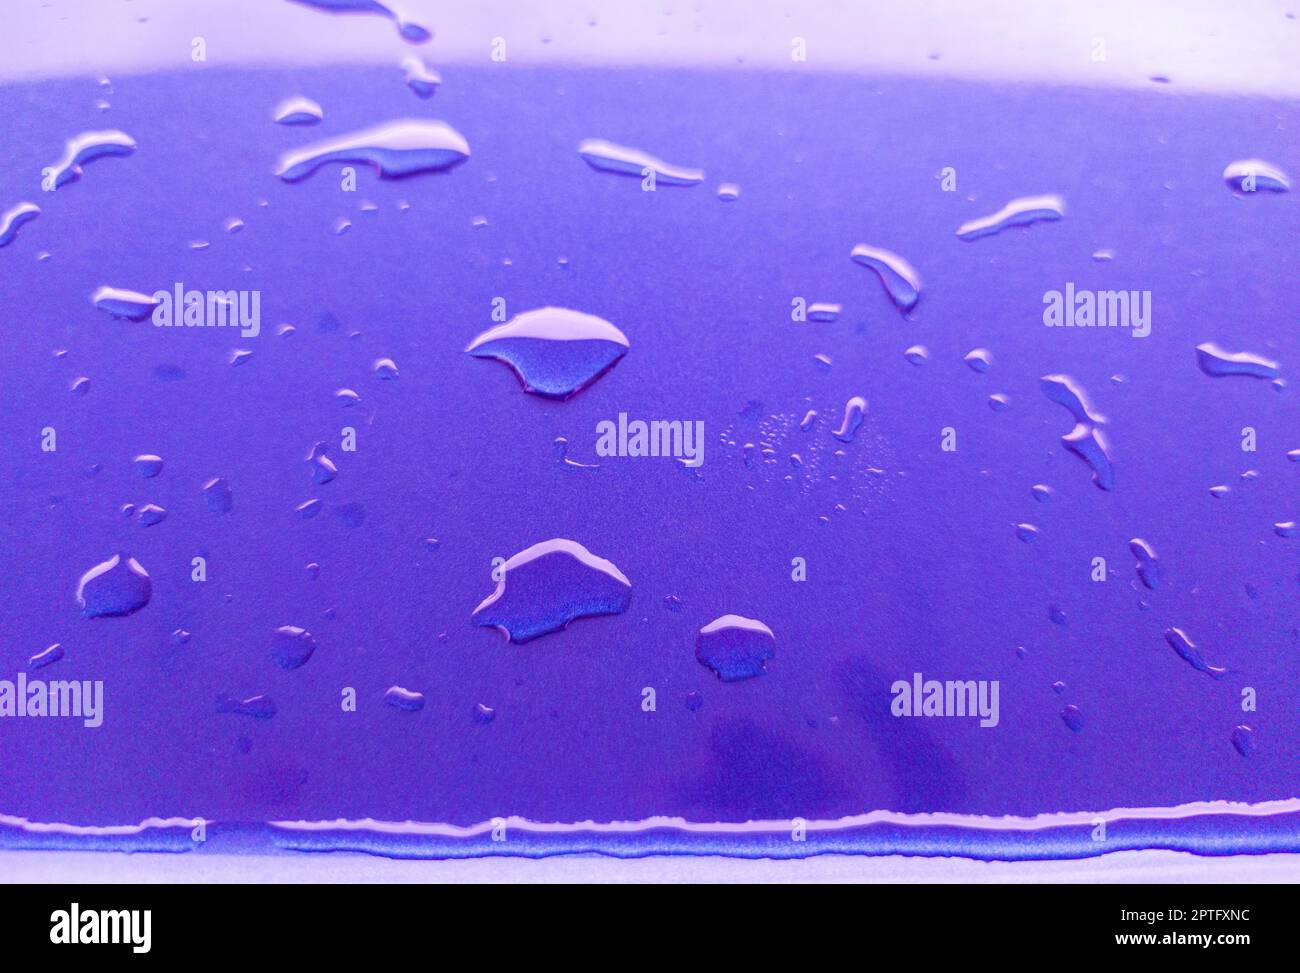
x=545, y=587
x=1243, y=738
x=1042, y=492
x=258, y=707
x=46, y=657
x=1027, y=533
x=979, y=359
x=1057, y=614
x=809, y=420
x=424, y=81
x=385, y=369
x=608, y=157
x=217, y=494
x=483, y=715
x=118, y=586
x=292, y=646
x=1217, y=362
x=323, y=469
x=1184, y=646
x=901, y=281
x=824, y=311
x=823, y=361
x=1219, y=491
x=999, y=402
x=1019, y=212
x=80, y=385
x=308, y=509
x=1103, y=256
x=554, y=351
x=854, y=411
x=694, y=700
x=85, y=148
x=395, y=149
x=1147, y=562
x=123, y=303
x=917, y=354
x=351, y=515
x=1058, y=687
x=411, y=32
x=148, y=465
x=1089, y=444
x=561, y=451
x=405, y=700
x=728, y=192
x=151, y=514
x=1073, y=717
x=735, y=647
x=347, y=398
x=1064, y=391
x=1288, y=528
x=298, y=111
x=673, y=603
x=14, y=217
x=1248, y=176
x=239, y=355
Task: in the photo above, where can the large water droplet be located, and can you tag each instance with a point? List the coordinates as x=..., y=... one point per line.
x=545, y=587
x=608, y=157
x=85, y=148
x=395, y=149
x=1019, y=212
x=735, y=647
x=555, y=352
x=118, y=586
x=901, y=281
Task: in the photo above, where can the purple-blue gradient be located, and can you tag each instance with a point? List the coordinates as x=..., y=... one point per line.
x=920, y=571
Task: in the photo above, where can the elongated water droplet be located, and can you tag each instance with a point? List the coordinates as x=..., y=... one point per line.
x=85, y=148
x=1217, y=362
x=901, y=281
x=1089, y=444
x=1147, y=562
x=410, y=31
x=555, y=352
x=735, y=647
x=1187, y=649
x=1243, y=739
x=824, y=311
x=627, y=161
x=46, y=657
x=258, y=707
x=14, y=217
x=395, y=149
x=545, y=587
x=1073, y=717
x=123, y=303
x=118, y=586
x=1252, y=175
x=854, y=411
x=1019, y=212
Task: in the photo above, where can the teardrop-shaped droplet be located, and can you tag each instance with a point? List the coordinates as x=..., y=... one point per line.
x=118, y=586
x=901, y=281
x=555, y=351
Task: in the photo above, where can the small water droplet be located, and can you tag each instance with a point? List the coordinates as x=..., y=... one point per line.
x=728, y=192
x=555, y=352
x=901, y=281
x=13, y=218
x=917, y=354
x=1073, y=717
x=1147, y=562
x=406, y=700
x=123, y=303
x=1187, y=649
x=979, y=359
x=218, y=495
x=118, y=586
x=292, y=646
x=1243, y=738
